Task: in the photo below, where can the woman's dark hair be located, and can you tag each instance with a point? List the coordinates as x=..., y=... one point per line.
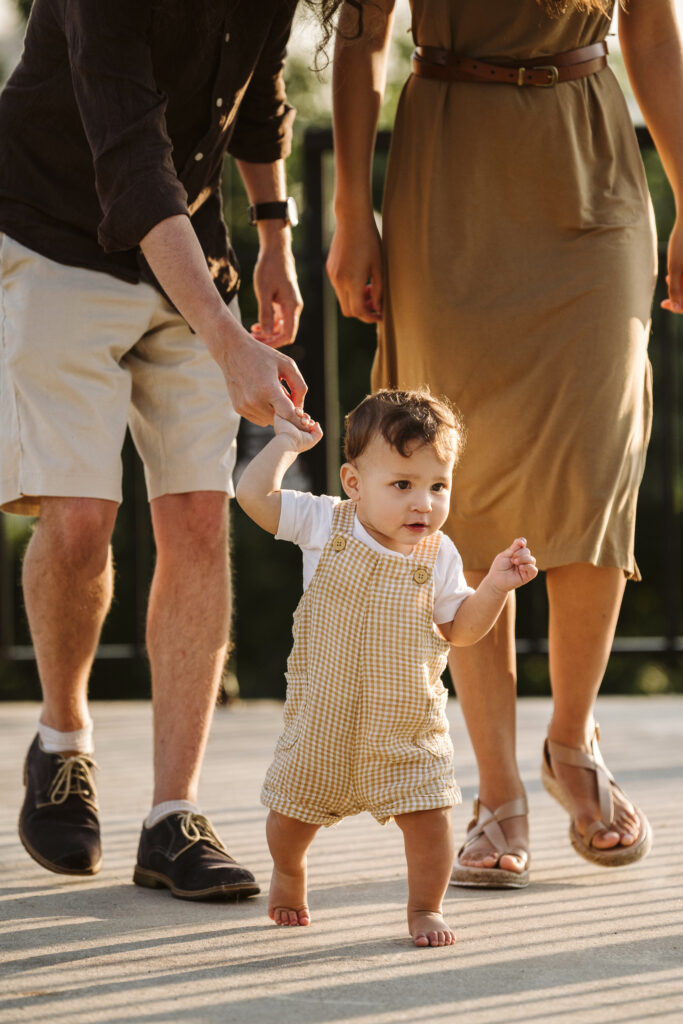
x=326, y=12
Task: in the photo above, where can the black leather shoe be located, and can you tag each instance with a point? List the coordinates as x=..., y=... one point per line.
x=58, y=823
x=183, y=853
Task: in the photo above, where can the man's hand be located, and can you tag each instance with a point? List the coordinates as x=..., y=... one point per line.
x=277, y=292
x=255, y=374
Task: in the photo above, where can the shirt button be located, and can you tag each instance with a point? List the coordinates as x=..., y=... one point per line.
x=338, y=543
x=227, y=37
x=219, y=101
x=420, y=575
x=198, y=157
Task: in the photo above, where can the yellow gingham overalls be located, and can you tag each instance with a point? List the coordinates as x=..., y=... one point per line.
x=365, y=725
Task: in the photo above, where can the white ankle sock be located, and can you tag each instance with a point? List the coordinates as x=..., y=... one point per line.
x=162, y=810
x=55, y=742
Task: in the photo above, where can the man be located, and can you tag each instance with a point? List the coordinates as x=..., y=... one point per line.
x=113, y=129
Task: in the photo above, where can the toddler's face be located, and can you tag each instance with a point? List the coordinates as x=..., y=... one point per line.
x=399, y=499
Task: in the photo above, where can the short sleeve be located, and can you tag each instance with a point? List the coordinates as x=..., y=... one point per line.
x=450, y=585
x=305, y=519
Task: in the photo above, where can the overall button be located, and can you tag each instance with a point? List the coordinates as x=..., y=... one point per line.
x=198, y=157
x=227, y=37
x=421, y=575
x=219, y=101
x=338, y=543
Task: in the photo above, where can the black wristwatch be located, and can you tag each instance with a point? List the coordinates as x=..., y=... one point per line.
x=282, y=210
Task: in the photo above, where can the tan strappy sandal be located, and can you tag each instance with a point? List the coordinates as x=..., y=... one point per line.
x=489, y=826
x=617, y=855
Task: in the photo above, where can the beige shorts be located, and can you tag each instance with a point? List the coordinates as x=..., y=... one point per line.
x=82, y=356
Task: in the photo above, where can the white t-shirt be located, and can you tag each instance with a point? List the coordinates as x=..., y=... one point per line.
x=306, y=520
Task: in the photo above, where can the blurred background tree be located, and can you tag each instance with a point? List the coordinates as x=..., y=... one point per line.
x=268, y=573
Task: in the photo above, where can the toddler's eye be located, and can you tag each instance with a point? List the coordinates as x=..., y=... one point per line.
x=402, y=485
x=438, y=487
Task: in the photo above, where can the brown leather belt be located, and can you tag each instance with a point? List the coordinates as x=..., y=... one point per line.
x=542, y=72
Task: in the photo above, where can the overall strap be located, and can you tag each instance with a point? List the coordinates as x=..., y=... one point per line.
x=427, y=550
x=343, y=517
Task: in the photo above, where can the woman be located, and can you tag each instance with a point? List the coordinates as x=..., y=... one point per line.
x=515, y=274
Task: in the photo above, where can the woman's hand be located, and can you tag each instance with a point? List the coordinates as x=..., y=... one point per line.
x=354, y=266
x=674, y=277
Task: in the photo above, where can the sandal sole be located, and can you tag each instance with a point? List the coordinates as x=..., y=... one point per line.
x=488, y=878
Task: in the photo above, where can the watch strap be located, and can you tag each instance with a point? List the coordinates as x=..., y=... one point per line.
x=278, y=210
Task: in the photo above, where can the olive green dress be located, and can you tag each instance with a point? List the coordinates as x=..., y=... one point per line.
x=520, y=266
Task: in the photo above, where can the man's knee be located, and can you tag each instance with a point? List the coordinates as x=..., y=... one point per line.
x=77, y=529
x=198, y=520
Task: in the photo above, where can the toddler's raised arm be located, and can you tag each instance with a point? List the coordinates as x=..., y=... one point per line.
x=258, y=490
x=476, y=615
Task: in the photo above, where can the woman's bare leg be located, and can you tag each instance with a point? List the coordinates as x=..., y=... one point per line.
x=485, y=680
x=584, y=606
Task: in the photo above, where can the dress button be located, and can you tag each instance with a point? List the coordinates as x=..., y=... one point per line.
x=219, y=101
x=338, y=543
x=227, y=37
x=198, y=157
x=420, y=575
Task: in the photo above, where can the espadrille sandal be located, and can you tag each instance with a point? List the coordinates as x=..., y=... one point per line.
x=583, y=844
x=487, y=823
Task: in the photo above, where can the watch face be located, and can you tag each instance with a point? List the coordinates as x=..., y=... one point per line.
x=292, y=212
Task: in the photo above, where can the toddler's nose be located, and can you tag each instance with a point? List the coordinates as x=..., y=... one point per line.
x=422, y=502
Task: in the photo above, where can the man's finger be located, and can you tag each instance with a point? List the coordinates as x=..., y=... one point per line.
x=296, y=385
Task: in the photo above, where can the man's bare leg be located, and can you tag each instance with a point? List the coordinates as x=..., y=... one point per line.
x=288, y=842
x=67, y=590
x=68, y=582
x=429, y=846
x=485, y=679
x=187, y=633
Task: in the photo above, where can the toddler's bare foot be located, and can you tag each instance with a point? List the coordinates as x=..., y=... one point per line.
x=287, y=900
x=428, y=928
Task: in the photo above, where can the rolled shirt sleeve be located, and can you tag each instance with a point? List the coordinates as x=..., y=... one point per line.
x=263, y=127
x=123, y=116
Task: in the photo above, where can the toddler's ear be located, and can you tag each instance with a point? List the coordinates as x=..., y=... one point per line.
x=349, y=480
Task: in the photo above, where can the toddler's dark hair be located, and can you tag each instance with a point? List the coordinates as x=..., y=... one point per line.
x=404, y=418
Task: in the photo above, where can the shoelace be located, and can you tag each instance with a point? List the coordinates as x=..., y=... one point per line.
x=74, y=775
x=196, y=827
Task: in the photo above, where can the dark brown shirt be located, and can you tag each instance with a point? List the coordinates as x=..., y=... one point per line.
x=119, y=114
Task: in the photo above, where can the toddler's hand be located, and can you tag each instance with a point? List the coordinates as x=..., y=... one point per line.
x=513, y=567
x=305, y=437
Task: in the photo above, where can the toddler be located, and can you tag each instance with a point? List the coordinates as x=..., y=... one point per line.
x=365, y=724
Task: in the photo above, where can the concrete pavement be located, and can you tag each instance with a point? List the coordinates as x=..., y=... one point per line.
x=581, y=944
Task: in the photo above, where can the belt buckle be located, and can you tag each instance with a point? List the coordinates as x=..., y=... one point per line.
x=553, y=76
